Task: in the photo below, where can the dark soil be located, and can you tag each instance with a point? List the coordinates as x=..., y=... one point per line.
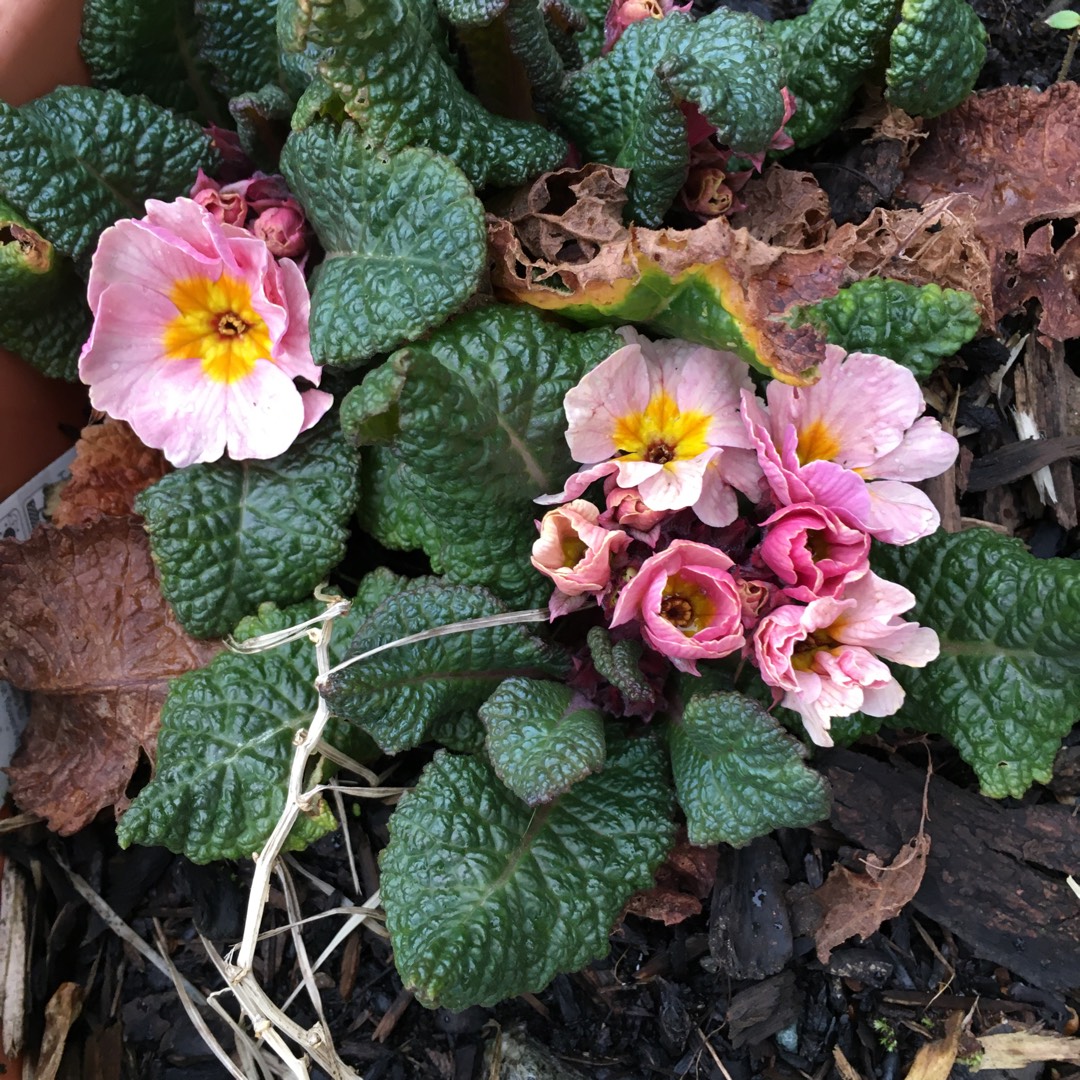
x=731, y=993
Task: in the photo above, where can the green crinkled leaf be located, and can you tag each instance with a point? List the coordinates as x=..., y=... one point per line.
x=262, y=123
x=228, y=535
x=239, y=42
x=935, y=56
x=590, y=40
x=623, y=108
x=487, y=898
x=738, y=774
x=148, y=47
x=404, y=237
x=618, y=664
x=226, y=745
x=397, y=694
x=1006, y=687
x=917, y=326
x=381, y=59
x=827, y=54
x=540, y=740
x=463, y=733
x=471, y=12
x=480, y=433
x=77, y=159
x=43, y=312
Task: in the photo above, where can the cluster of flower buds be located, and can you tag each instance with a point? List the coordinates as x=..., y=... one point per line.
x=263, y=205
x=734, y=526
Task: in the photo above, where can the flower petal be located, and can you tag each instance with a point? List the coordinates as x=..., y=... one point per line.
x=899, y=513
x=619, y=386
x=924, y=451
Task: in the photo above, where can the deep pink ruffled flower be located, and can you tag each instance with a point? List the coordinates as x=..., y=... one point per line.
x=851, y=442
x=662, y=417
x=576, y=553
x=827, y=657
x=198, y=335
x=813, y=552
x=688, y=604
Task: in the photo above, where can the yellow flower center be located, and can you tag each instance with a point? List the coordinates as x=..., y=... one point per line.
x=686, y=606
x=661, y=433
x=802, y=658
x=217, y=325
x=573, y=548
x=817, y=443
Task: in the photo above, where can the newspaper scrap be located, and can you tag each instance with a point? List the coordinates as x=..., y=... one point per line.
x=20, y=514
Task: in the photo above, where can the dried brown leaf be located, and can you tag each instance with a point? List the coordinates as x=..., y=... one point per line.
x=1012, y=151
x=87, y=630
x=783, y=207
x=61, y=1012
x=111, y=467
x=858, y=903
x=683, y=880
x=935, y=1060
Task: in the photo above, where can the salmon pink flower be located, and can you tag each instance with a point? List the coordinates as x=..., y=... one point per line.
x=851, y=442
x=576, y=553
x=198, y=335
x=813, y=552
x=663, y=417
x=828, y=657
x=689, y=606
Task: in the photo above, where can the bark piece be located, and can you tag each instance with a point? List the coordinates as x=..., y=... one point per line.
x=750, y=928
x=995, y=875
x=763, y=1009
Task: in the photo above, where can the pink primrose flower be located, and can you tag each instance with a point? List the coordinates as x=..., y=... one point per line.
x=576, y=553
x=828, y=657
x=626, y=510
x=623, y=13
x=688, y=604
x=283, y=229
x=813, y=552
x=198, y=335
x=662, y=417
x=851, y=443
x=227, y=207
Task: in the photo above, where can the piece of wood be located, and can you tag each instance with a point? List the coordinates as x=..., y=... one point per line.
x=995, y=875
x=1040, y=382
x=749, y=926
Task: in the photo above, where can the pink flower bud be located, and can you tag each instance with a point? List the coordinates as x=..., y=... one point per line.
x=264, y=192
x=625, y=509
x=622, y=13
x=576, y=552
x=687, y=603
x=706, y=192
x=283, y=229
x=224, y=206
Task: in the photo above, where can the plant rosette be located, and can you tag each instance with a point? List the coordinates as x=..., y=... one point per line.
x=655, y=578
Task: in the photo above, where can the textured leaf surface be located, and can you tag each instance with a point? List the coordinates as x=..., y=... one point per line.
x=480, y=433
x=262, y=123
x=915, y=326
x=618, y=663
x=86, y=629
x=147, y=47
x=827, y=53
x=1006, y=687
x=226, y=745
x=404, y=237
x=738, y=774
x=470, y=12
x=43, y=312
x=77, y=159
x=623, y=109
x=935, y=56
x=382, y=60
x=227, y=536
x=540, y=740
x=396, y=695
x=487, y=898
x=239, y=42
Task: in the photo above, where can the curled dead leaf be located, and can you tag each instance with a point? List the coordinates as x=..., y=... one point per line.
x=87, y=630
x=683, y=880
x=858, y=903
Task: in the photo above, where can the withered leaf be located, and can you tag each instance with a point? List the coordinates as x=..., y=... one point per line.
x=111, y=467
x=683, y=880
x=858, y=903
x=85, y=627
x=1011, y=152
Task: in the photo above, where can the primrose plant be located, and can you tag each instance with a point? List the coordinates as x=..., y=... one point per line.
x=669, y=545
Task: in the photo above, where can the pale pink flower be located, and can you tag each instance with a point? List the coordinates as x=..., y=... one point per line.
x=812, y=551
x=851, y=442
x=576, y=553
x=828, y=657
x=626, y=510
x=198, y=335
x=663, y=417
x=688, y=604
